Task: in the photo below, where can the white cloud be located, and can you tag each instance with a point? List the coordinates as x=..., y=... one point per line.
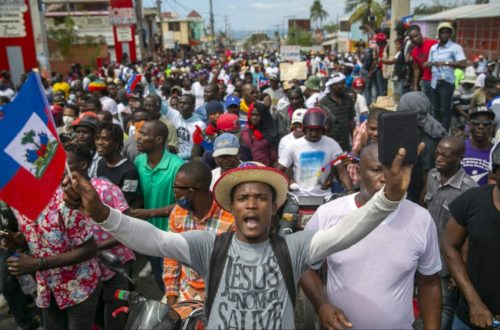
x=267, y=5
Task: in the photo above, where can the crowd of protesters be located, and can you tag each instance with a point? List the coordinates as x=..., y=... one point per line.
x=159, y=141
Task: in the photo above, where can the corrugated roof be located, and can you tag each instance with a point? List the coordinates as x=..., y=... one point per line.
x=492, y=10
x=454, y=13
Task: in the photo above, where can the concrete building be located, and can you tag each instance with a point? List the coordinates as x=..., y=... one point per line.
x=477, y=28
x=187, y=31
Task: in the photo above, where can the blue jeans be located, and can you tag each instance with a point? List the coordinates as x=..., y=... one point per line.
x=426, y=88
x=449, y=297
x=381, y=84
x=459, y=325
x=157, y=270
x=441, y=98
x=11, y=290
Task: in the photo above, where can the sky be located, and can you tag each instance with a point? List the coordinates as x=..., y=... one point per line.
x=255, y=15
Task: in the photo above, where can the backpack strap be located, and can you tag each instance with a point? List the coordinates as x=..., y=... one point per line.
x=217, y=263
x=280, y=249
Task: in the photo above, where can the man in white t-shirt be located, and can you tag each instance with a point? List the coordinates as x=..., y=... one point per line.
x=198, y=88
x=296, y=133
x=371, y=283
x=226, y=155
x=310, y=156
x=186, y=125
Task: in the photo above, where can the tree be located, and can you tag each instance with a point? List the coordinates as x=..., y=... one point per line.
x=299, y=37
x=370, y=12
x=317, y=13
x=64, y=36
x=331, y=27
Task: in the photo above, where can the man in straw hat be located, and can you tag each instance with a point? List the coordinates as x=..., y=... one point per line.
x=255, y=292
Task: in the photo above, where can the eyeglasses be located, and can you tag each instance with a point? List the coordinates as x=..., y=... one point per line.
x=192, y=189
x=477, y=122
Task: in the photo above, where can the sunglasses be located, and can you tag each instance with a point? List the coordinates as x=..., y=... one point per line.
x=477, y=122
x=184, y=188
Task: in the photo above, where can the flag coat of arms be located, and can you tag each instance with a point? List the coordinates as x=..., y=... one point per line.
x=32, y=158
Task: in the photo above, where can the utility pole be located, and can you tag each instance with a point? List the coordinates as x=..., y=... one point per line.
x=158, y=7
x=140, y=28
x=399, y=9
x=212, y=33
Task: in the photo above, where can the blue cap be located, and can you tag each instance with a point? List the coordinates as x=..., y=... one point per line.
x=232, y=100
x=213, y=107
x=226, y=144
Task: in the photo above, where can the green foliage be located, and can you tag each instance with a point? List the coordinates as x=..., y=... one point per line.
x=299, y=37
x=364, y=9
x=64, y=36
x=255, y=39
x=331, y=27
x=317, y=13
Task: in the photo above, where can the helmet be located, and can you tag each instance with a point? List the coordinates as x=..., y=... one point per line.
x=358, y=83
x=314, y=118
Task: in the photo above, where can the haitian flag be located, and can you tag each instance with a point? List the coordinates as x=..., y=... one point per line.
x=132, y=83
x=32, y=158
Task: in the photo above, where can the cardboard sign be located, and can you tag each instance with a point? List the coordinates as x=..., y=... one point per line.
x=290, y=53
x=290, y=71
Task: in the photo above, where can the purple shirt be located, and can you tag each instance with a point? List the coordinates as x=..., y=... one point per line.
x=476, y=163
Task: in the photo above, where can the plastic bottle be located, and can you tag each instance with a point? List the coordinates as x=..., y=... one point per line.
x=27, y=282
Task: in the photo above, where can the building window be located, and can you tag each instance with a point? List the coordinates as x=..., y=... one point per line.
x=174, y=26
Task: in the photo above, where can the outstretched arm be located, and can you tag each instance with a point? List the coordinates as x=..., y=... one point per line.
x=137, y=234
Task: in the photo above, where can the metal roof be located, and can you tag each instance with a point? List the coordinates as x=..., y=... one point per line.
x=452, y=14
x=492, y=10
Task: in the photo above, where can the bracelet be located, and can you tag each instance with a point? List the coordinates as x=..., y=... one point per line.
x=42, y=264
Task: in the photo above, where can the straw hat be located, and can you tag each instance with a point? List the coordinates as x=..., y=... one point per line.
x=384, y=102
x=250, y=172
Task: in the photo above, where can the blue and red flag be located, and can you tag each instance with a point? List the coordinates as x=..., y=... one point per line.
x=263, y=82
x=32, y=158
x=322, y=69
x=132, y=83
x=201, y=139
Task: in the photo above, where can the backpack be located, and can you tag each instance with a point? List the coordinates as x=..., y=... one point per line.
x=218, y=262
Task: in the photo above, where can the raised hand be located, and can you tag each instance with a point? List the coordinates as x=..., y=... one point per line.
x=79, y=194
x=397, y=177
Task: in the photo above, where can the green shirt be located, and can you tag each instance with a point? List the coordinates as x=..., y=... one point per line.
x=156, y=184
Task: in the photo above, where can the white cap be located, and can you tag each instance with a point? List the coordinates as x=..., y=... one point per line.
x=298, y=115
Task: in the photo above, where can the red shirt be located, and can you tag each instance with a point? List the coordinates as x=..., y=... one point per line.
x=420, y=55
x=58, y=230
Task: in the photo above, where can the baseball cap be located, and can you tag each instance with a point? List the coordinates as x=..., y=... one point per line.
x=482, y=110
x=87, y=120
x=226, y=144
x=298, y=115
x=313, y=83
x=228, y=122
x=273, y=76
x=232, y=100
x=213, y=107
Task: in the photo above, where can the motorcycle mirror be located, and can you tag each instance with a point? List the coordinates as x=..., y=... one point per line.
x=111, y=261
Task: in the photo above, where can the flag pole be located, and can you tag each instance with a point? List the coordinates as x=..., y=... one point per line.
x=68, y=170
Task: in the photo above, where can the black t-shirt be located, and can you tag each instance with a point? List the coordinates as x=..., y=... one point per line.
x=475, y=211
x=341, y=115
x=425, y=162
x=124, y=175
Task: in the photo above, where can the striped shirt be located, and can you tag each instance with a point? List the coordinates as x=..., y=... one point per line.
x=180, y=280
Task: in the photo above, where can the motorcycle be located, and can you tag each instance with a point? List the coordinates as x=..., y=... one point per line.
x=298, y=210
x=145, y=313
